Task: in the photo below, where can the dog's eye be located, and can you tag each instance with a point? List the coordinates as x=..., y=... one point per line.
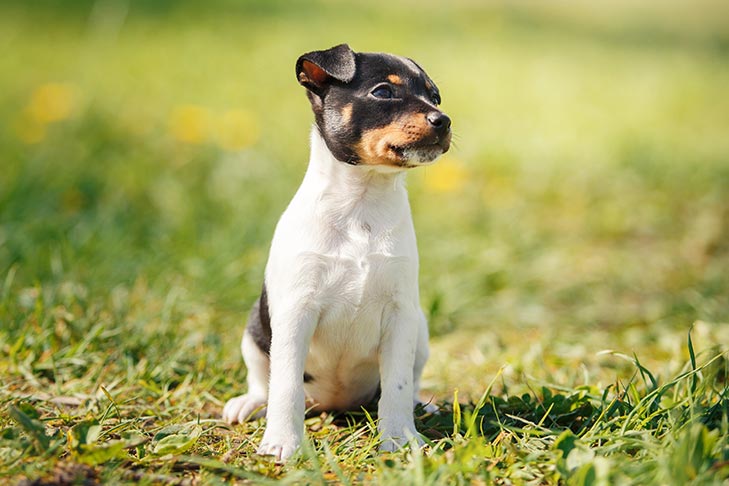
x=383, y=91
x=435, y=98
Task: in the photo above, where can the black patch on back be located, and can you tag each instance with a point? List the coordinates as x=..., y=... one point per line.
x=259, y=327
x=259, y=323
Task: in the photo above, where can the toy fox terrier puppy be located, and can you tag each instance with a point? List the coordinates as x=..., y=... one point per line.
x=339, y=321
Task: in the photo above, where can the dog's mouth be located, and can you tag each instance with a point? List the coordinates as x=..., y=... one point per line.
x=419, y=154
x=403, y=144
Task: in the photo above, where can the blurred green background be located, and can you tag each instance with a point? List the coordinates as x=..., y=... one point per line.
x=148, y=148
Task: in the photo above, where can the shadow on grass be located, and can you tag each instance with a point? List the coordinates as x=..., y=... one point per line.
x=549, y=412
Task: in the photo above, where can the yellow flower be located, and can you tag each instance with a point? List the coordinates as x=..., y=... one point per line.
x=50, y=102
x=190, y=123
x=447, y=175
x=237, y=129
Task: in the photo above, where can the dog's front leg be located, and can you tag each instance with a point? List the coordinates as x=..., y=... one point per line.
x=397, y=358
x=291, y=335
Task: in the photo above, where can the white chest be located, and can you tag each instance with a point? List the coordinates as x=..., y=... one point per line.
x=345, y=247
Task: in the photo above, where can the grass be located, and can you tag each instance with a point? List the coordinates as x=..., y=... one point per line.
x=574, y=256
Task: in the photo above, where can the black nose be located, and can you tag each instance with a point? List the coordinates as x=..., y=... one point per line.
x=440, y=121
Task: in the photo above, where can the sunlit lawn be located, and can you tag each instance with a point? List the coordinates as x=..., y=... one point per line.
x=575, y=234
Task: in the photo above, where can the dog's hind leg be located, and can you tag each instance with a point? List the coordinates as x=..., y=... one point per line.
x=253, y=404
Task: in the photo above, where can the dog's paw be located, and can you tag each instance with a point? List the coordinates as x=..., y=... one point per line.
x=391, y=444
x=392, y=441
x=243, y=408
x=281, y=447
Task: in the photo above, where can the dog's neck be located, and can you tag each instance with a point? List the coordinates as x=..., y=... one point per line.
x=335, y=176
x=340, y=194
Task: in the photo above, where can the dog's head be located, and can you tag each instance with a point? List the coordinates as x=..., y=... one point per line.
x=374, y=109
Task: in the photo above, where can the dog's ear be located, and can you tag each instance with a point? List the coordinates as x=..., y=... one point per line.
x=315, y=70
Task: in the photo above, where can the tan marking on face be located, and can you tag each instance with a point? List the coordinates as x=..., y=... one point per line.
x=376, y=146
x=428, y=85
x=394, y=79
x=346, y=114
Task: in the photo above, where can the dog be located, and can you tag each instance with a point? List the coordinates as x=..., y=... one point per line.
x=339, y=322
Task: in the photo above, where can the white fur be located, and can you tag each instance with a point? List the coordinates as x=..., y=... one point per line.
x=342, y=283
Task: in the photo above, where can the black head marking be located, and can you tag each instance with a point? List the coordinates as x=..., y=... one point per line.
x=374, y=108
